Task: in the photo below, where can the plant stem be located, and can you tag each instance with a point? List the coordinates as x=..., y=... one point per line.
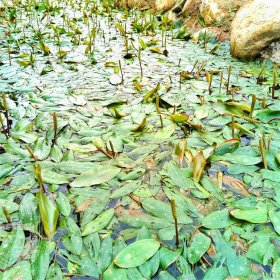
x=174, y=214
x=55, y=128
x=5, y=105
x=120, y=66
x=228, y=80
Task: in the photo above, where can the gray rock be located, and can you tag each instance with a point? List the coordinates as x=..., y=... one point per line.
x=254, y=27
x=219, y=11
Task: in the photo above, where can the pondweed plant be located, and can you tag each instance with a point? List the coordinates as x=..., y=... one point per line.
x=228, y=79
x=262, y=147
x=55, y=128
x=174, y=215
x=6, y=112
x=253, y=103
x=274, y=82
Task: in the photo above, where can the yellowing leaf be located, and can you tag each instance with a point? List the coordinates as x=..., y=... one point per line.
x=49, y=214
x=199, y=163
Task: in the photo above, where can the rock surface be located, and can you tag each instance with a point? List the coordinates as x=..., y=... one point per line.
x=254, y=27
x=141, y=4
x=165, y=5
x=219, y=11
x=191, y=6
x=272, y=52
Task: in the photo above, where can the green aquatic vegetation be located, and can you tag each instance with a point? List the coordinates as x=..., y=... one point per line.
x=133, y=149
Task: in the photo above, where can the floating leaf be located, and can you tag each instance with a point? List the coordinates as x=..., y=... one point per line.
x=96, y=176
x=256, y=216
x=167, y=257
x=228, y=146
x=98, y=223
x=137, y=253
x=28, y=213
x=199, y=245
x=11, y=248
x=274, y=217
x=218, y=219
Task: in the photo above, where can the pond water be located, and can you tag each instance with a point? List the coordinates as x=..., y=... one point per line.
x=114, y=121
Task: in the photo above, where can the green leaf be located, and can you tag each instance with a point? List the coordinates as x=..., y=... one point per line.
x=218, y=219
x=179, y=118
x=63, y=204
x=228, y=146
x=126, y=189
x=95, y=176
x=72, y=240
x=140, y=127
x=98, y=223
x=11, y=248
x=177, y=176
x=271, y=175
x=212, y=187
x=167, y=257
x=200, y=244
x=54, y=272
x=163, y=210
x=106, y=253
x=137, y=253
x=20, y=270
x=268, y=115
x=217, y=273
x=49, y=214
x=28, y=213
x=41, y=258
x=113, y=272
x=256, y=216
x=51, y=177
x=275, y=220
x=150, y=267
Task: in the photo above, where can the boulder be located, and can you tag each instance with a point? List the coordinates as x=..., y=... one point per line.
x=219, y=11
x=141, y=4
x=165, y=5
x=191, y=6
x=254, y=27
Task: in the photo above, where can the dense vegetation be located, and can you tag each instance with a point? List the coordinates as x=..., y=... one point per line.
x=133, y=149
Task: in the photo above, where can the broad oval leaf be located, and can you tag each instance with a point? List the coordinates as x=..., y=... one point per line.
x=11, y=248
x=256, y=216
x=218, y=219
x=98, y=223
x=228, y=146
x=199, y=246
x=137, y=253
x=96, y=176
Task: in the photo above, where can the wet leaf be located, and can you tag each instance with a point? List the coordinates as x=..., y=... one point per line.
x=11, y=248
x=95, y=176
x=49, y=214
x=258, y=215
x=199, y=245
x=199, y=163
x=137, y=253
x=29, y=213
x=218, y=219
x=98, y=223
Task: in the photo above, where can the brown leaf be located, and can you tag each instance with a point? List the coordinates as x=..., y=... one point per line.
x=199, y=163
x=84, y=205
x=235, y=185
